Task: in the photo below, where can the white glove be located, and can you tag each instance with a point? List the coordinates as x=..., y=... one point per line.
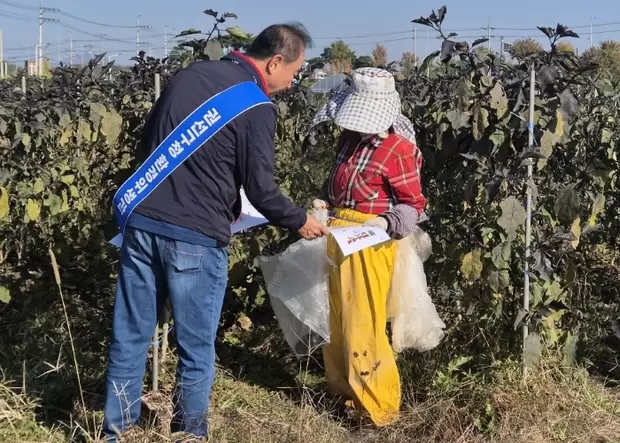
x=319, y=205
x=320, y=210
x=377, y=222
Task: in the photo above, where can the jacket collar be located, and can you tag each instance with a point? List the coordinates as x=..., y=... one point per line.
x=243, y=61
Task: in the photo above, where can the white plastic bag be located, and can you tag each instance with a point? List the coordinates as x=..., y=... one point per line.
x=297, y=285
x=410, y=310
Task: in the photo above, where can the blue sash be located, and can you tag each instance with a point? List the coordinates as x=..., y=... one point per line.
x=181, y=143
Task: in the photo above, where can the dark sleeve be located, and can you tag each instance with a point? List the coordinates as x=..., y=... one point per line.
x=255, y=166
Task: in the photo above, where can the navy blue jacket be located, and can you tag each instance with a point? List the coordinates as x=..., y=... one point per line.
x=201, y=197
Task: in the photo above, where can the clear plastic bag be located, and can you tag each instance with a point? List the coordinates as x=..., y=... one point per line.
x=297, y=285
x=410, y=309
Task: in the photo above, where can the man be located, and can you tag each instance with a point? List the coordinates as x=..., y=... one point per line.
x=175, y=241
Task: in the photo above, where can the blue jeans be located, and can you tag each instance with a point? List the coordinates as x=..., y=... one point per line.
x=194, y=277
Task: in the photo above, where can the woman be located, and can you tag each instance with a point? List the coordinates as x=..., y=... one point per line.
x=375, y=182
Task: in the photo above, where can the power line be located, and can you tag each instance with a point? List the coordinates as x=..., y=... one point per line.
x=18, y=6
x=91, y=22
x=19, y=17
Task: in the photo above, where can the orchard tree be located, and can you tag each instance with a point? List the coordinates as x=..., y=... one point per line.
x=340, y=55
x=565, y=47
x=408, y=63
x=363, y=61
x=236, y=42
x=380, y=56
x=525, y=47
x=607, y=56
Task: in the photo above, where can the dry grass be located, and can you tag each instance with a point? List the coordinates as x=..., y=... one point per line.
x=18, y=420
x=555, y=406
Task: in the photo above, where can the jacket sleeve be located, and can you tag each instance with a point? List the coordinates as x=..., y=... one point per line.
x=405, y=176
x=255, y=168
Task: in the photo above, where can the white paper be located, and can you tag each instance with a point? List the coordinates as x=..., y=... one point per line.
x=249, y=218
x=117, y=241
x=355, y=238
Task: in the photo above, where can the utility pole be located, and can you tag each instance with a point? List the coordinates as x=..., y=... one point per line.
x=165, y=41
x=415, y=47
x=2, y=73
x=138, y=34
x=58, y=49
x=489, y=36
x=501, y=49
x=40, y=58
x=591, y=33
x=71, y=51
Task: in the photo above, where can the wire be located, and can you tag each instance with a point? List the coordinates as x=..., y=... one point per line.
x=91, y=22
x=23, y=18
x=18, y=6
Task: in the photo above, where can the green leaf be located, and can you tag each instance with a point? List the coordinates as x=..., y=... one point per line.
x=213, y=50
x=39, y=186
x=54, y=203
x=567, y=205
x=597, y=208
x=33, y=210
x=575, y=229
x=554, y=292
x=471, y=265
x=5, y=295
x=97, y=111
x=499, y=101
x=480, y=121
x=458, y=119
x=84, y=131
x=111, y=126
x=513, y=216
x=499, y=280
x=67, y=179
x=65, y=120
x=65, y=137
x=4, y=203
x=500, y=255
x=497, y=138
x=547, y=142
x=26, y=139
x=236, y=31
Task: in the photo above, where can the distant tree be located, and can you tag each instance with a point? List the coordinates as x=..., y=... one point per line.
x=340, y=55
x=236, y=42
x=525, y=47
x=362, y=61
x=380, y=56
x=565, y=48
x=607, y=56
x=408, y=63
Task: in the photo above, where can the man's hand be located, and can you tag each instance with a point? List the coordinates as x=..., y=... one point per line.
x=313, y=229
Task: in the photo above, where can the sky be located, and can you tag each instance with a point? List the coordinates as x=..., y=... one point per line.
x=387, y=22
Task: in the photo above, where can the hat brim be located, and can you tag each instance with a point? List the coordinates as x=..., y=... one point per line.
x=367, y=115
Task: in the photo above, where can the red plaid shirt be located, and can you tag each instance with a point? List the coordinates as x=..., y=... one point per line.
x=374, y=175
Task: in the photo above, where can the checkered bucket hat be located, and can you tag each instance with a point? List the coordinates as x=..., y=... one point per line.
x=370, y=105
